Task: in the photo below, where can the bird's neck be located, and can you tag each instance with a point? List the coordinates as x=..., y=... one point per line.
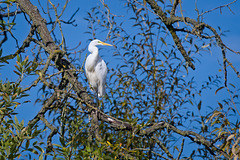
x=95, y=51
x=95, y=56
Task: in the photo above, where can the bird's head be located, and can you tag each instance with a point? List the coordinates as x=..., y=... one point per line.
x=95, y=43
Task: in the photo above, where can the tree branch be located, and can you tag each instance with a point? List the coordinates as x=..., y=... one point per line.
x=4, y=32
x=197, y=138
x=161, y=145
x=32, y=11
x=226, y=5
x=48, y=104
x=175, y=4
x=197, y=27
x=180, y=153
x=168, y=22
x=53, y=132
x=10, y=14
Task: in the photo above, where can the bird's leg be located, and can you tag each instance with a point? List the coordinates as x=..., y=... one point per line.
x=97, y=100
x=96, y=96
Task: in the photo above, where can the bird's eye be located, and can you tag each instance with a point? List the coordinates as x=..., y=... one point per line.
x=99, y=41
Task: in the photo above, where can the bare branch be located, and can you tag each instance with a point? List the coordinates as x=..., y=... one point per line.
x=168, y=22
x=175, y=4
x=235, y=70
x=32, y=11
x=144, y=149
x=10, y=14
x=236, y=149
x=180, y=153
x=53, y=132
x=4, y=33
x=27, y=41
x=44, y=109
x=161, y=145
x=197, y=138
x=219, y=7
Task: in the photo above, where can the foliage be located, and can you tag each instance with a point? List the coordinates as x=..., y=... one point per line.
x=154, y=108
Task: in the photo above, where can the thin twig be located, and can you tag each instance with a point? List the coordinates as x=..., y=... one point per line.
x=164, y=148
x=235, y=70
x=144, y=149
x=235, y=149
x=218, y=8
x=175, y=3
x=180, y=153
x=233, y=100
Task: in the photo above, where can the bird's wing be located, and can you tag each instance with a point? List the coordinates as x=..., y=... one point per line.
x=90, y=63
x=101, y=73
x=101, y=70
x=87, y=66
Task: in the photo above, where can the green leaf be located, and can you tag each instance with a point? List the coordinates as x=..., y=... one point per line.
x=41, y=156
x=5, y=58
x=219, y=89
x=16, y=121
x=57, y=145
x=34, y=66
x=199, y=105
x=39, y=148
x=88, y=149
x=18, y=58
x=27, y=144
x=232, y=85
x=220, y=105
x=17, y=73
x=22, y=123
x=163, y=41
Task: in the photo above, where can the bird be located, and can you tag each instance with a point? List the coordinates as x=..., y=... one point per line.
x=96, y=68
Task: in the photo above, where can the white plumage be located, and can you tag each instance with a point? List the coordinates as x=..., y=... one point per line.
x=96, y=68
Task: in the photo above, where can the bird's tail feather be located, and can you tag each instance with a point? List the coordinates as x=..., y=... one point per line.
x=101, y=90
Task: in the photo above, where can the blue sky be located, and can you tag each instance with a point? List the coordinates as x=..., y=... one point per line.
x=209, y=62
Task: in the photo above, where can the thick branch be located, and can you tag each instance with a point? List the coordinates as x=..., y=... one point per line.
x=114, y=122
x=51, y=47
x=197, y=29
x=168, y=22
x=180, y=47
x=195, y=137
x=39, y=22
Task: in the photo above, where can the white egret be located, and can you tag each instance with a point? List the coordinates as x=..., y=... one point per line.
x=96, y=68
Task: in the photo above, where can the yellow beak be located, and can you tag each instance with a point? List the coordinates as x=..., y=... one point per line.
x=106, y=44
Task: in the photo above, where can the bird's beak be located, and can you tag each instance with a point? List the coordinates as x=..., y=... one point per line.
x=106, y=44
